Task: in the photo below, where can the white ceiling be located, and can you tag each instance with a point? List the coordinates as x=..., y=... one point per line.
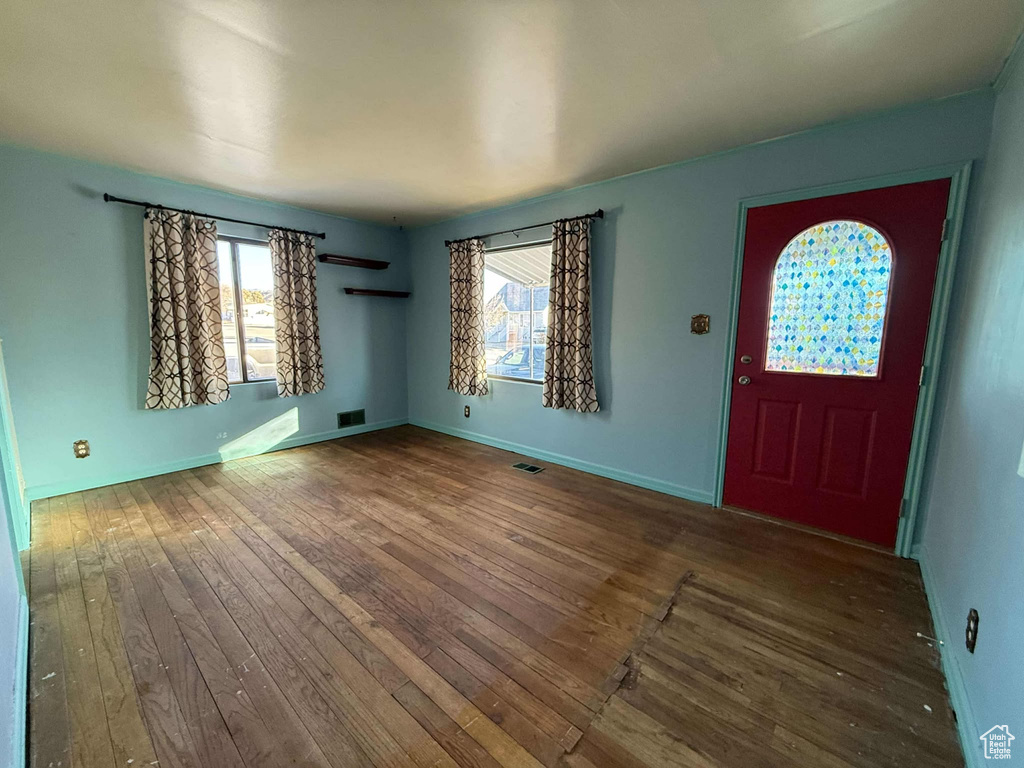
x=424, y=109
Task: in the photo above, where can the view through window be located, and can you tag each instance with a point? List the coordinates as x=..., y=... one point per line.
x=516, y=310
x=247, y=281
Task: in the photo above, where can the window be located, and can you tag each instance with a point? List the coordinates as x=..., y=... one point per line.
x=516, y=310
x=247, y=281
x=829, y=296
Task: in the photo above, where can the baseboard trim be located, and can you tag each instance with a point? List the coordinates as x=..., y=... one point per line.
x=630, y=478
x=958, y=698
x=33, y=493
x=19, y=736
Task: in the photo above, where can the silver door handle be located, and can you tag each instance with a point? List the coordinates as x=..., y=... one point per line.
x=744, y=380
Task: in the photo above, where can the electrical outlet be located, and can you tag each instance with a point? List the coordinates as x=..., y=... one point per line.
x=81, y=448
x=466, y=411
x=972, y=630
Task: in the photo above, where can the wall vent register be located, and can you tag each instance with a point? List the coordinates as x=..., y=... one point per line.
x=351, y=418
x=522, y=466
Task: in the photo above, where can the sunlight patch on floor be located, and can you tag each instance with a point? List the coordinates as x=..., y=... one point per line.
x=263, y=438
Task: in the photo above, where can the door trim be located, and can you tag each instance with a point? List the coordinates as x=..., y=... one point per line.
x=11, y=484
x=959, y=175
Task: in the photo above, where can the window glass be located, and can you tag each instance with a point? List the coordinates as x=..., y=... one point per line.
x=516, y=311
x=227, y=309
x=257, y=310
x=247, y=310
x=516, y=357
x=829, y=295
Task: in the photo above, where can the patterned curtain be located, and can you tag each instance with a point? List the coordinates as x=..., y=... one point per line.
x=468, y=372
x=300, y=366
x=568, y=368
x=186, y=363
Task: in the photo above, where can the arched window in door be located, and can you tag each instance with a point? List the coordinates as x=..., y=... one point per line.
x=828, y=302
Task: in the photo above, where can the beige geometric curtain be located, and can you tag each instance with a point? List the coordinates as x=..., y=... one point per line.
x=468, y=371
x=568, y=367
x=186, y=364
x=300, y=365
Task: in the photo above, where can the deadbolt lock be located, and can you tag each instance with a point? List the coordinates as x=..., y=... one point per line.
x=746, y=359
x=744, y=380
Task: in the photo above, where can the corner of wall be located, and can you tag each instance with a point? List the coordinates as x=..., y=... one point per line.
x=1010, y=64
x=955, y=683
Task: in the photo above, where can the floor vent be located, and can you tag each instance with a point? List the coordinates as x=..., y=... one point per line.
x=522, y=466
x=351, y=418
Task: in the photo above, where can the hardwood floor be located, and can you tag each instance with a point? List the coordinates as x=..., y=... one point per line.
x=403, y=598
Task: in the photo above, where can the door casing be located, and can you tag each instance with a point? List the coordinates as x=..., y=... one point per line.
x=959, y=175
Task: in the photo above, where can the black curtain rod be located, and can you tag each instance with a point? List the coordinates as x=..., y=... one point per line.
x=111, y=199
x=598, y=214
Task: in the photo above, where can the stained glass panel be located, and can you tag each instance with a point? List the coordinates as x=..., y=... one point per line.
x=829, y=294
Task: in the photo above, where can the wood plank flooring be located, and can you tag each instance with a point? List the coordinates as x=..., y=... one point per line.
x=404, y=598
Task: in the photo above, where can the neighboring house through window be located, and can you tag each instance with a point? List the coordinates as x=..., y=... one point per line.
x=247, y=309
x=516, y=310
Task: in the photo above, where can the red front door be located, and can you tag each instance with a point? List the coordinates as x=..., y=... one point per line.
x=834, y=306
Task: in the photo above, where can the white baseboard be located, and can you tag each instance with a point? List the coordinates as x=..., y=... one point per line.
x=631, y=478
x=965, y=723
x=59, y=489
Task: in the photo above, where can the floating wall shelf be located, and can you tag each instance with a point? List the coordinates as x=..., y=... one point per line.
x=352, y=261
x=373, y=292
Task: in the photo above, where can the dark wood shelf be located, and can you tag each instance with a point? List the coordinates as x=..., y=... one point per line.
x=374, y=292
x=352, y=261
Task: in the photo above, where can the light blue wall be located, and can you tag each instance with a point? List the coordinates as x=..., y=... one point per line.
x=74, y=322
x=664, y=252
x=13, y=636
x=973, y=530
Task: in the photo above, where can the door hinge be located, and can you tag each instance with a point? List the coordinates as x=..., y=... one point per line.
x=945, y=229
x=903, y=509
x=920, y=378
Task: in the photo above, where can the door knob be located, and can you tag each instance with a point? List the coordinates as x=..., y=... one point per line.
x=744, y=380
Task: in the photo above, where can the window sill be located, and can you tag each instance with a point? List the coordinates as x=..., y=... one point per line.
x=513, y=378
x=247, y=383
